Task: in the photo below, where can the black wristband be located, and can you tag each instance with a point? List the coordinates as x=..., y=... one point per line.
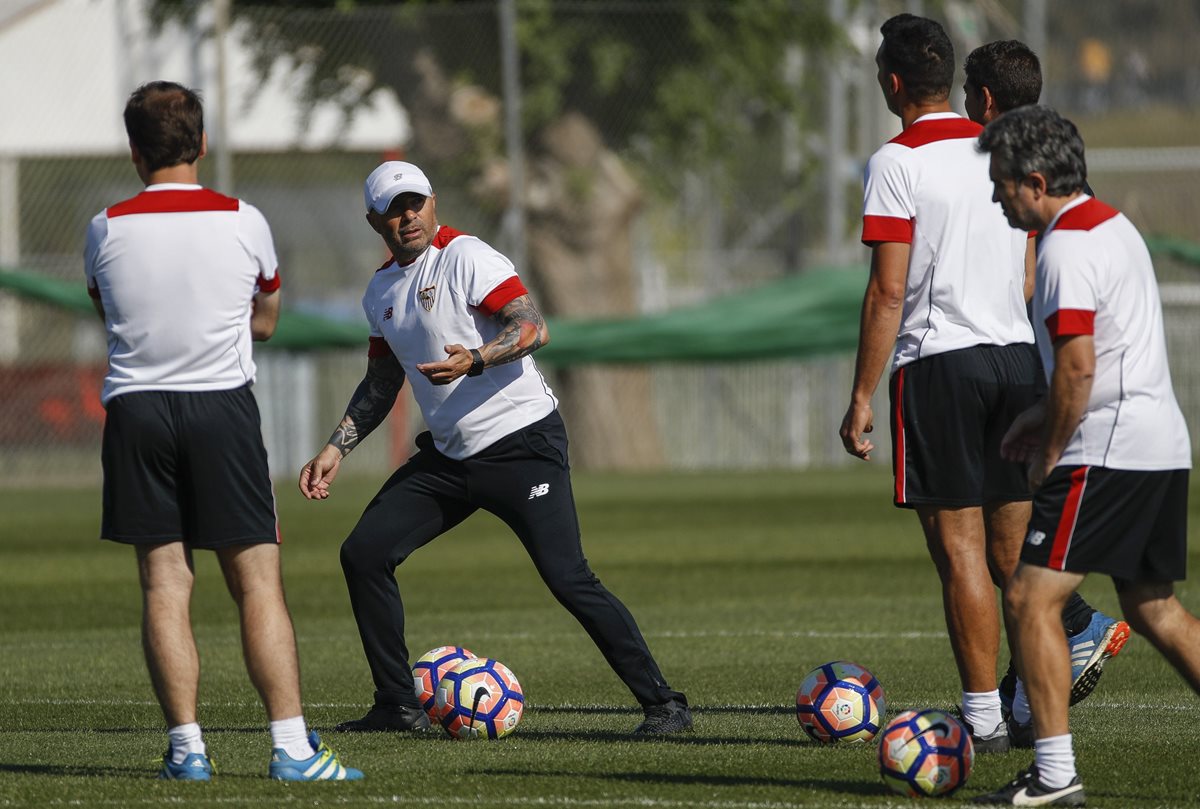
x=476, y=362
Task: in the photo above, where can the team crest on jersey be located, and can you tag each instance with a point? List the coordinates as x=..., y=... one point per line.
x=425, y=296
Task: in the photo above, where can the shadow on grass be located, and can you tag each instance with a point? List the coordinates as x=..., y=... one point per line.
x=71, y=770
x=675, y=738
x=635, y=711
x=855, y=787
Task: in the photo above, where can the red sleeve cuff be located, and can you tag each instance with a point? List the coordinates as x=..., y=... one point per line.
x=508, y=291
x=1069, y=322
x=265, y=285
x=887, y=229
x=378, y=347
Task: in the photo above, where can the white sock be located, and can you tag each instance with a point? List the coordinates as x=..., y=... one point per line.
x=1020, y=707
x=1055, y=760
x=185, y=739
x=982, y=710
x=292, y=736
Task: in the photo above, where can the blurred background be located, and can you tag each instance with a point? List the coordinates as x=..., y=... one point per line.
x=678, y=182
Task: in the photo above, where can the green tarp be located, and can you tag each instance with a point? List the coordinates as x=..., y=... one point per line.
x=801, y=316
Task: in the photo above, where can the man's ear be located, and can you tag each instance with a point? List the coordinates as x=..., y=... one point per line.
x=895, y=84
x=134, y=155
x=203, y=145
x=989, y=101
x=1037, y=181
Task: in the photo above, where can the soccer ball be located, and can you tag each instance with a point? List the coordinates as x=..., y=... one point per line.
x=925, y=753
x=840, y=702
x=479, y=699
x=428, y=671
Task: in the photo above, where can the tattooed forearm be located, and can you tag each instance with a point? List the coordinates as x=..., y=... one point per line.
x=370, y=404
x=522, y=332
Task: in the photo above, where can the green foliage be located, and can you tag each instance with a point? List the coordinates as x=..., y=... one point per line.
x=741, y=584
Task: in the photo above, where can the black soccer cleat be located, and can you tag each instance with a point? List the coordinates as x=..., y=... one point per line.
x=1027, y=790
x=995, y=742
x=670, y=717
x=387, y=718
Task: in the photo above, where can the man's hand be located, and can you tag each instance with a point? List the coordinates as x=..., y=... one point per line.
x=318, y=474
x=457, y=363
x=859, y=420
x=1023, y=443
x=1023, y=440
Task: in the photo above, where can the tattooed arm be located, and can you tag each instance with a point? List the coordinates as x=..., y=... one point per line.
x=522, y=332
x=369, y=406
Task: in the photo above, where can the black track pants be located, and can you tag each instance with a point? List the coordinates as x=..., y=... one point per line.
x=524, y=479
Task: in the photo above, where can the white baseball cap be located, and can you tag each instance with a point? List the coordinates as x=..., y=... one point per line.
x=391, y=179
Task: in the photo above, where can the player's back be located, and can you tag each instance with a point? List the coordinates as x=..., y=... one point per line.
x=1096, y=277
x=929, y=187
x=176, y=269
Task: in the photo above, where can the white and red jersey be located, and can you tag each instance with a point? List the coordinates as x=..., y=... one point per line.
x=929, y=188
x=449, y=295
x=1095, y=277
x=176, y=268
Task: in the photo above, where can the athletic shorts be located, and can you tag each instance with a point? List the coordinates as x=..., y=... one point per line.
x=186, y=466
x=949, y=414
x=1129, y=525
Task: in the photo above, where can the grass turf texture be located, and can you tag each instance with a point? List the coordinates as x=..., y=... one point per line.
x=741, y=583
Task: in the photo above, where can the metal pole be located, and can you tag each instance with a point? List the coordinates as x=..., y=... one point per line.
x=835, y=137
x=224, y=150
x=1034, y=23
x=514, y=140
x=10, y=254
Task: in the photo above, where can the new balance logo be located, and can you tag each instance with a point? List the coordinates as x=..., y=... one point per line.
x=1035, y=538
x=387, y=313
x=539, y=490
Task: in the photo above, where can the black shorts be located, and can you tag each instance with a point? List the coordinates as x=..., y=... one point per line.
x=949, y=414
x=1129, y=525
x=186, y=466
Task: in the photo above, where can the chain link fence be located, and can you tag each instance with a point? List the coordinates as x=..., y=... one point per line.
x=666, y=162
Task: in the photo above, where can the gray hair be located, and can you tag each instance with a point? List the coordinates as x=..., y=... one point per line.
x=1036, y=139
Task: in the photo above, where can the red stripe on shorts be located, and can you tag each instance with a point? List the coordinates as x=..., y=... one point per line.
x=1066, y=523
x=898, y=431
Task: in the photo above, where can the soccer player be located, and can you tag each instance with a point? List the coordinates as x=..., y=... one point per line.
x=947, y=288
x=185, y=278
x=449, y=314
x=1001, y=76
x=1108, y=448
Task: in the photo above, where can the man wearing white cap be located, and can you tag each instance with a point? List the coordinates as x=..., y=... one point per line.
x=449, y=313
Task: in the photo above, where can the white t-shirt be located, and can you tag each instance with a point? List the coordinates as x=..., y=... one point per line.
x=1095, y=277
x=449, y=295
x=176, y=268
x=929, y=188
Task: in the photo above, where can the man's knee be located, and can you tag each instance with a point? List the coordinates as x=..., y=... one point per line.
x=1147, y=605
x=567, y=583
x=362, y=557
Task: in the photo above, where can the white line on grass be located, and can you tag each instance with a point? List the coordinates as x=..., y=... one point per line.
x=1186, y=707
x=462, y=800
x=485, y=635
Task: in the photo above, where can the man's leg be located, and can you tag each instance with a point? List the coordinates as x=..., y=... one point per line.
x=525, y=481
x=1153, y=611
x=421, y=501
x=254, y=579
x=167, y=575
x=957, y=543
x=1033, y=605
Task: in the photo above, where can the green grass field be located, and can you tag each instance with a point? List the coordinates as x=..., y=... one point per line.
x=741, y=583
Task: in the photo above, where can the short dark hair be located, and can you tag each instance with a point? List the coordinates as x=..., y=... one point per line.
x=1036, y=138
x=918, y=51
x=1009, y=69
x=165, y=121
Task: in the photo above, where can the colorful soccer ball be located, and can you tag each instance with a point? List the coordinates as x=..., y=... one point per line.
x=925, y=753
x=428, y=671
x=840, y=702
x=479, y=699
